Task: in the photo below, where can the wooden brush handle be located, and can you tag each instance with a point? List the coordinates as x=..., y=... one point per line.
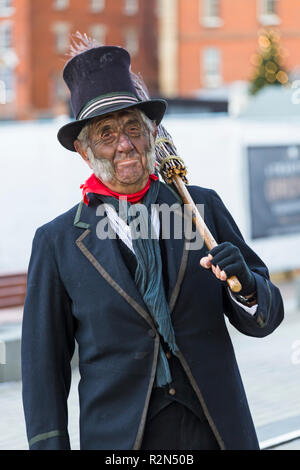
x=210, y=242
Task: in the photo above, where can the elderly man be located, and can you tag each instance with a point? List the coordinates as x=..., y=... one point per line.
x=157, y=366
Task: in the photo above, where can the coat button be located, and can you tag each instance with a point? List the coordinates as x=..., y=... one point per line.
x=168, y=355
x=151, y=333
x=172, y=391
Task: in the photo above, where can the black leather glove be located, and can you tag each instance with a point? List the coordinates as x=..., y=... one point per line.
x=230, y=259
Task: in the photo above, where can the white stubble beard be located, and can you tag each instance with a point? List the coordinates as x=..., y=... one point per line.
x=102, y=167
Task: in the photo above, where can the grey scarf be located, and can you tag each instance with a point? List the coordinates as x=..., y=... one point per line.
x=148, y=277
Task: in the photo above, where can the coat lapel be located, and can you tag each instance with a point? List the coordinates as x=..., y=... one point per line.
x=176, y=245
x=105, y=256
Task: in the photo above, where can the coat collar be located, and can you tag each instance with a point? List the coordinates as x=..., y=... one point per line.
x=106, y=258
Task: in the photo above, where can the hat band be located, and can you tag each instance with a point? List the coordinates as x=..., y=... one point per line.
x=106, y=102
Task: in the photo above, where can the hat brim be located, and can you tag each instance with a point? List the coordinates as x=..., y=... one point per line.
x=154, y=110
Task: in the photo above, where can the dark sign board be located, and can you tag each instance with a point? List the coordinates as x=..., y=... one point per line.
x=274, y=185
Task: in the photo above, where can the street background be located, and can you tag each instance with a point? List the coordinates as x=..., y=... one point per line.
x=230, y=72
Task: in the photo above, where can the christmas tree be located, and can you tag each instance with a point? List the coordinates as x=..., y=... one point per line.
x=268, y=62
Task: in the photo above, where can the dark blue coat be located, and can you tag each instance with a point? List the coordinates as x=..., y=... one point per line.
x=79, y=288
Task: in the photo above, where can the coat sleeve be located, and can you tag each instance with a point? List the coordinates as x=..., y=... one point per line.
x=270, y=310
x=47, y=348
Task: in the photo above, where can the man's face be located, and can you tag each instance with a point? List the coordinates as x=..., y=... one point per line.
x=121, y=141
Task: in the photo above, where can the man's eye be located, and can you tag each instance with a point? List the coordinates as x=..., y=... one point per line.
x=134, y=130
x=107, y=136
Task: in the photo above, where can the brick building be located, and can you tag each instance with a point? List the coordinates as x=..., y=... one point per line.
x=211, y=43
x=34, y=38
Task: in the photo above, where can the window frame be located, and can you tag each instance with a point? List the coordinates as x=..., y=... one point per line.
x=63, y=7
x=58, y=28
x=132, y=34
x=94, y=9
x=3, y=45
x=10, y=93
x=128, y=10
x=207, y=17
x=7, y=10
x=264, y=16
x=103, y=32
x=211, y=79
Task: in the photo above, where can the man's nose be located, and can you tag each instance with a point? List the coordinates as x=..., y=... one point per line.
x=124, y=143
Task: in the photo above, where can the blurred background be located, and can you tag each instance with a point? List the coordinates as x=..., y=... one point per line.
x=230, y=71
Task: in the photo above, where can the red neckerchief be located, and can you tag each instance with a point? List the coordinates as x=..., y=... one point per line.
x=94, y=185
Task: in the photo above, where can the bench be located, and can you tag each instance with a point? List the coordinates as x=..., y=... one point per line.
x=12, y=290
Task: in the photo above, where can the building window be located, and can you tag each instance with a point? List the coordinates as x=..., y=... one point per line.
x=210, y=13
x=6, y=37
x=61, y=34
x=212, y=8
x=61, y=4
x=212, y=75
x=2, y=92
x=7, y=85
x=98, y=32
x=132, y=42
x=6, y=7
x=97, y=5
x=131, y=7
x=59, y=92
x=269, y=7
x=267, y=12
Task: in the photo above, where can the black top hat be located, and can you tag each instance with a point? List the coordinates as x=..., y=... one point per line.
x=100, y=83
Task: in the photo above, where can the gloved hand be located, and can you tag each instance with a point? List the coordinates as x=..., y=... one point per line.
x=226, y=260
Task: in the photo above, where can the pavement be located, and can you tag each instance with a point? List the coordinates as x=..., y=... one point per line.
x=293, y=445
x=270, y=369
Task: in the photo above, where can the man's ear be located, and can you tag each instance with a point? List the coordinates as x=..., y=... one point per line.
x=79, y=149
